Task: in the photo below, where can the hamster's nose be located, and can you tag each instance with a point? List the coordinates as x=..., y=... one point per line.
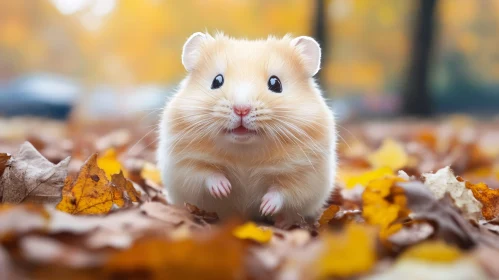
x=242, y=110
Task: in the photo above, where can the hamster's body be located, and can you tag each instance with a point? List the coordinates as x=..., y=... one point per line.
x=248, y=132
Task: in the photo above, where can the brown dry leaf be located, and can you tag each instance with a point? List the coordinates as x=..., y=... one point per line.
x=411, y=233
x=328, y=214
x=3, y=162
x=29, y=177
x=91, y=192
x=220, y=256
x=209, y=217
x=44, y=250
x=126, y=187
x=488, y=197
x=449, y=224
x=20, y=219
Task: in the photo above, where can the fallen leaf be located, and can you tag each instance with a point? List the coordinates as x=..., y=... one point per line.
x=29, y=177
x=433, y=251
x=251, y=231
x=411, y=233
x=366, y=177
x=91, y=192
x=20, y=219
x=209, y=217
x=218, y=257
x=464, y=269
x=328, y=214
x=44, y=250
x=383, y=204
x=391, y=154
x=4, y=158
x=486, y=257
x=110, y=164
x=449, y=224
x=444, y=181
x=488, y=197
x=119, y=181
x=348, y=253
x=151, y=172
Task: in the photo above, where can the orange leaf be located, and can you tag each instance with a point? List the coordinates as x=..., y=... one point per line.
x=91, y=192
x=328, y=215
x=119, y=181
x=488, y=197
x=218, y=257
x=3, y=162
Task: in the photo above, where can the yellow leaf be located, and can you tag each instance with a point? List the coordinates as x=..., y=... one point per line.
x=110, y=164
x=383, y=204
x=367, y=177
x=251, y=231
x=93, y=193
x=151, y=172
x=391, y=154
x=433, y=251
x=348, y=253
x=328, y=214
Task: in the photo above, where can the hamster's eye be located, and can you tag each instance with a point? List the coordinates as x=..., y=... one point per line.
x=275, y=84
x=217, y=82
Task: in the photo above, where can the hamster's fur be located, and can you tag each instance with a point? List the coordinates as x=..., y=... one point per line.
x=276, y=160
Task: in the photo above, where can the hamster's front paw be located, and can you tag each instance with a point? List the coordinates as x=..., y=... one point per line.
x=272, y=202
x=218, y=185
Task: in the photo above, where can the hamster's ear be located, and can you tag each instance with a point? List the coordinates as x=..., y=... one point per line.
x=310, y=52
x=190, y=52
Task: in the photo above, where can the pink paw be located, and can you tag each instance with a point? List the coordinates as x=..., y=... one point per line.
x=218, y=185
x=272, y=203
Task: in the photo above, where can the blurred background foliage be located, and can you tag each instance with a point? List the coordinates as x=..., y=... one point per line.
x=125, y=47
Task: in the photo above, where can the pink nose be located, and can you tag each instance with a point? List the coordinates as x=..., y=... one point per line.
x=242, y=110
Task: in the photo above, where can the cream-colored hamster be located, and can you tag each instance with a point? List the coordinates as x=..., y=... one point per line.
x=248, y=132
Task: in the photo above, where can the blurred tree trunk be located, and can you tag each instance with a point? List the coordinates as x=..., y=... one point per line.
x=321, y=34
x=417, y=96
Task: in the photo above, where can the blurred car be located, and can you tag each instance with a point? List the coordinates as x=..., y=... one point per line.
x=41, y=95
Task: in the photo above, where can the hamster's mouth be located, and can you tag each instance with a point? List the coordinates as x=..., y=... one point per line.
x=241, y=131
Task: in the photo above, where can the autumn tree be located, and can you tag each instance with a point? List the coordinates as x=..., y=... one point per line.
x=417, y=95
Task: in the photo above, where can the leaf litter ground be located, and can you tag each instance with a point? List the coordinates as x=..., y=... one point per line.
x=414, y=200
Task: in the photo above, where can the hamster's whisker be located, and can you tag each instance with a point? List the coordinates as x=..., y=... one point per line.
x=136, y=143
x=203, y=89
x=276, y=136
x=297, y=145
x=198, y=136
x=343, y=139
x=185, y=133
x=185, y=117
x=300, y=131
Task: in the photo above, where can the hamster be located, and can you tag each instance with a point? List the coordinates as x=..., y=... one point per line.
x=248, y=132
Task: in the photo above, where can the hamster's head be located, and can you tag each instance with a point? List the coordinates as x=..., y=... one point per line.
x=243, y=93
